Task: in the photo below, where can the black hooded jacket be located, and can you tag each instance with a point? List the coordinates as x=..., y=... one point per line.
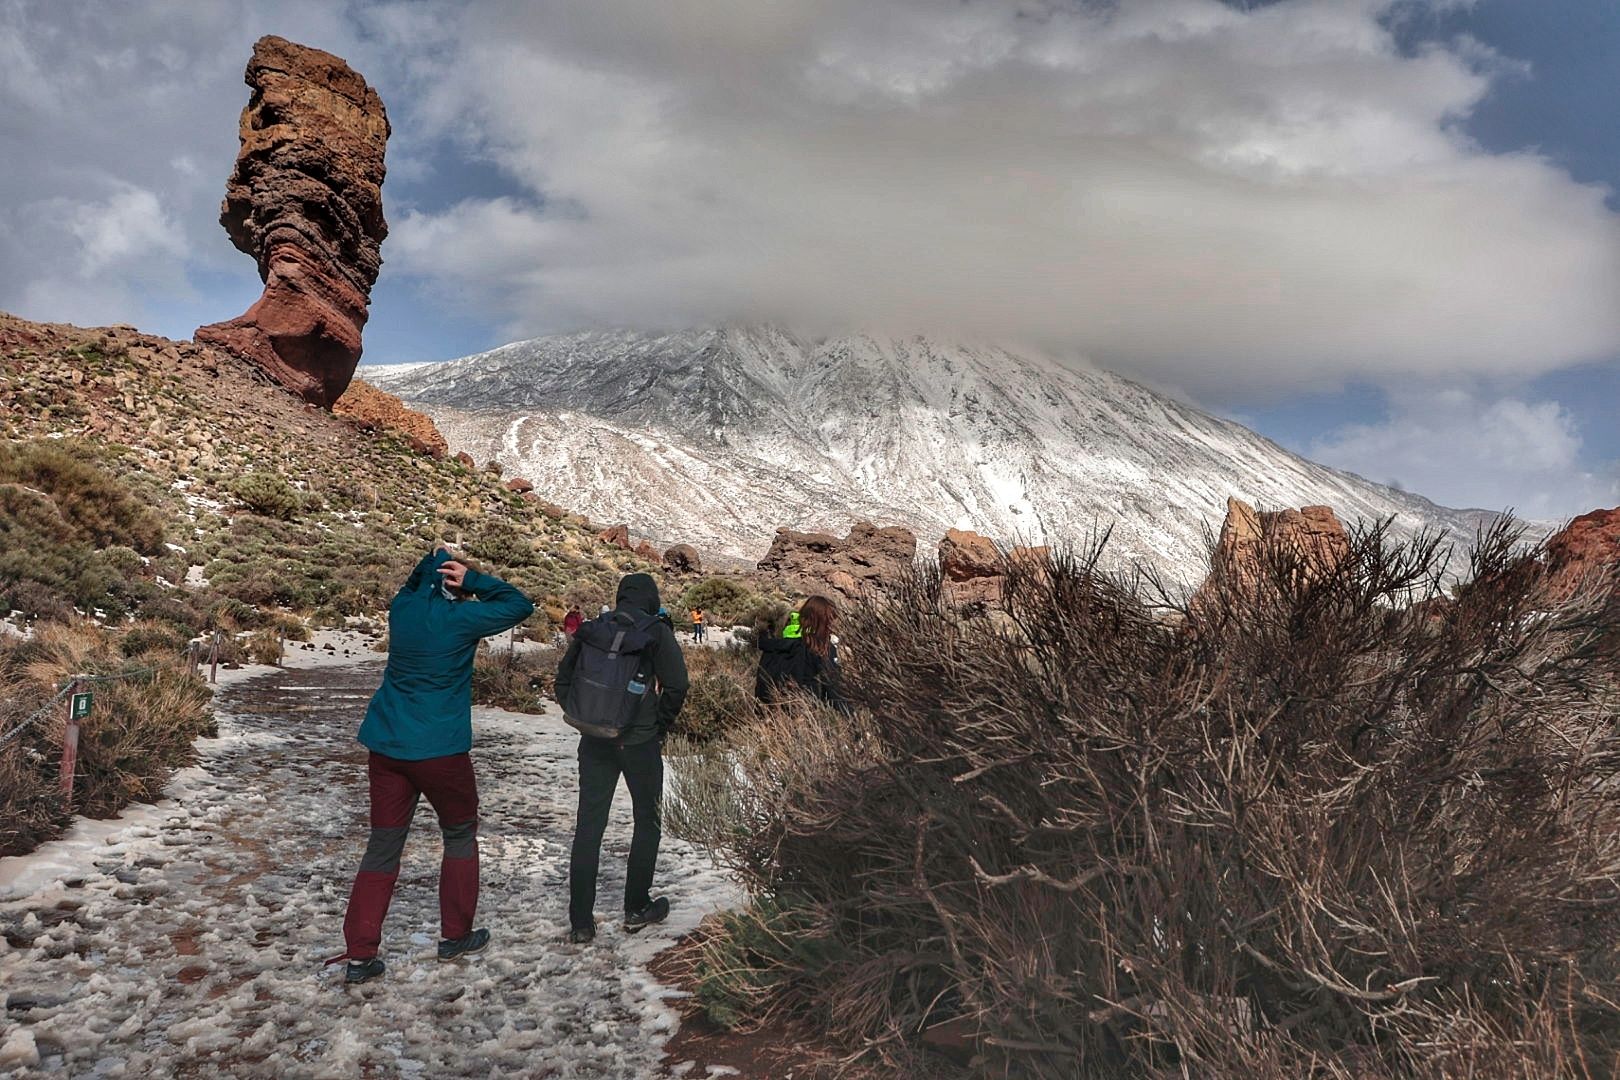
x=638, y=596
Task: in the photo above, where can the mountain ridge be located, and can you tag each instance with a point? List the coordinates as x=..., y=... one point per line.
x=717, y=436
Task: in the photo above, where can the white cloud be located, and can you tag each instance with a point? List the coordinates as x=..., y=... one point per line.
x=1219, y=198
x=1463, y=448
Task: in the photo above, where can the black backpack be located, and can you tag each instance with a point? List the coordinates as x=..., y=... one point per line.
x=610, y=674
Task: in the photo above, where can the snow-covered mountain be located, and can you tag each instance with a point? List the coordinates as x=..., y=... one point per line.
x=716, y=437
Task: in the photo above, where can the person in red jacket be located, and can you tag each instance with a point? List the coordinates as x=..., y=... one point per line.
x=572, y=620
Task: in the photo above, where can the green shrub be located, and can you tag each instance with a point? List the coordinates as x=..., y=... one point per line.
x=267, y=494
x=725, y=601
x=101, y=509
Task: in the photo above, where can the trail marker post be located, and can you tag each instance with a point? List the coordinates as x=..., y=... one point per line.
x=213, y=660
x=79, y=703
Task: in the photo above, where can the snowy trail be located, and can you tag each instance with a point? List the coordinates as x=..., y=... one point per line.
x=189, y=943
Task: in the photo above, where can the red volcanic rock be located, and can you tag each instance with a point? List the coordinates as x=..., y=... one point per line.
x=1314, y=534
x=683, y=559
x=864, y=564
x=370, y=409
x=519, y=485
x=466, y=459
x=646, y=551
x=617, y=535
x=305, y=200
x=965, y=555
x=1588, y=546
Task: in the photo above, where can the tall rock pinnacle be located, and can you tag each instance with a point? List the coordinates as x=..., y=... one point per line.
x=305, y=200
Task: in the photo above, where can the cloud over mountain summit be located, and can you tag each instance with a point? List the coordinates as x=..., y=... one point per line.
x=1205, y=195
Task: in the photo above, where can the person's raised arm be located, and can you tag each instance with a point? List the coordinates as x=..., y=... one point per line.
x=500, y=606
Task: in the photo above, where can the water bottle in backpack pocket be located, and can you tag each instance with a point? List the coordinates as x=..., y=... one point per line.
x=610, y=678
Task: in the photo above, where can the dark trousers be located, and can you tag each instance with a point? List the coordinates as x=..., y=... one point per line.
x=396, y=787
x=601, y=763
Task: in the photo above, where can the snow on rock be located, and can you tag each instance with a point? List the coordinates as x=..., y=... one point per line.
x=189, y=939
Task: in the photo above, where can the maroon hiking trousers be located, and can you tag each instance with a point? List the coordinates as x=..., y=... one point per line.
x=396, y=786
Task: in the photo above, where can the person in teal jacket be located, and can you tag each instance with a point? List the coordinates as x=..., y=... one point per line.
x=418, y=729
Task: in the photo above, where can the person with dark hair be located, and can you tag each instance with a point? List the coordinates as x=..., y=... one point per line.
x=418, y=729
x=622, y=683
x=804, y=658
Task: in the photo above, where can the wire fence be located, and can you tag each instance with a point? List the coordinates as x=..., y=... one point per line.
x=71, y=686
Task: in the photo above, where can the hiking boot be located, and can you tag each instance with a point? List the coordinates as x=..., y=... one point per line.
x=360, y=971
x=462, y=946
x=655, y=912
x=581, y=935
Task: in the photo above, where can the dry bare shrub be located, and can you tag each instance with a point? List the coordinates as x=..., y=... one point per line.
x=1330, y=824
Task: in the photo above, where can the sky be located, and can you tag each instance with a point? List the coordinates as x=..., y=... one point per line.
x=1385, y=233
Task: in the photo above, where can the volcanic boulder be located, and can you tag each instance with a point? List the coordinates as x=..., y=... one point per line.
x=617, y=535
x=683, y=559
x=864, y=564
x=305, y=200
x=645, y=550
x=519, y=485
x=1586, y=547
x=371, y=409
x=1312, y=538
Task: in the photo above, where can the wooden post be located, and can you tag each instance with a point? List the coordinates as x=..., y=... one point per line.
x=70, y=746
x=213, y=660
x=281, y=649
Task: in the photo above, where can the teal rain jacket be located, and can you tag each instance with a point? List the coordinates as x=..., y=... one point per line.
x=423, y=709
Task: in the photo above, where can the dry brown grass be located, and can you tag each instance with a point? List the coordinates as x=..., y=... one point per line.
x=140, y=730
x=1306, y=831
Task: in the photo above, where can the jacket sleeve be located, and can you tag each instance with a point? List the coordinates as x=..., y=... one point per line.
x=565, y=671
x=500, y=606
x=669, y=666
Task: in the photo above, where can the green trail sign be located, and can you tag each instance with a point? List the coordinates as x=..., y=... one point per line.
x=81, y=706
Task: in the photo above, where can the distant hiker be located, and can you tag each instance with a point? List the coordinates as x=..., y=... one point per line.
x=622, y=683
x=804, y=657
x=697, y=624
x=418, y=728
x=572, y=620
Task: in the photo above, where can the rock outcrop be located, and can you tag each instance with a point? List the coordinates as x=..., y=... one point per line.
x=1586, y=548
x=305, y=200
x=519, y=485
x=370, y=409
x=683, y=559
x=862, y=565
x=1313, y=534
x=617, y=535
x=466, y=460
x=646, y=551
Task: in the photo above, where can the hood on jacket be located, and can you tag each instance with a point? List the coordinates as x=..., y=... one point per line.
x=638, y=592
x=426, y=578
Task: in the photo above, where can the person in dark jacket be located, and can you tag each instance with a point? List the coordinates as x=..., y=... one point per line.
x=418, y=728
x=804, y=658
x=638, y=756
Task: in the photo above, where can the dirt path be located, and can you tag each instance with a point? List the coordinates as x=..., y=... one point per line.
x=189, y=944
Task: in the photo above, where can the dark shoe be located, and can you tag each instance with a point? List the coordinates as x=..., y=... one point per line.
x=655, y=912
x=581, y=935
x=462, y=946
x=360, y=971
